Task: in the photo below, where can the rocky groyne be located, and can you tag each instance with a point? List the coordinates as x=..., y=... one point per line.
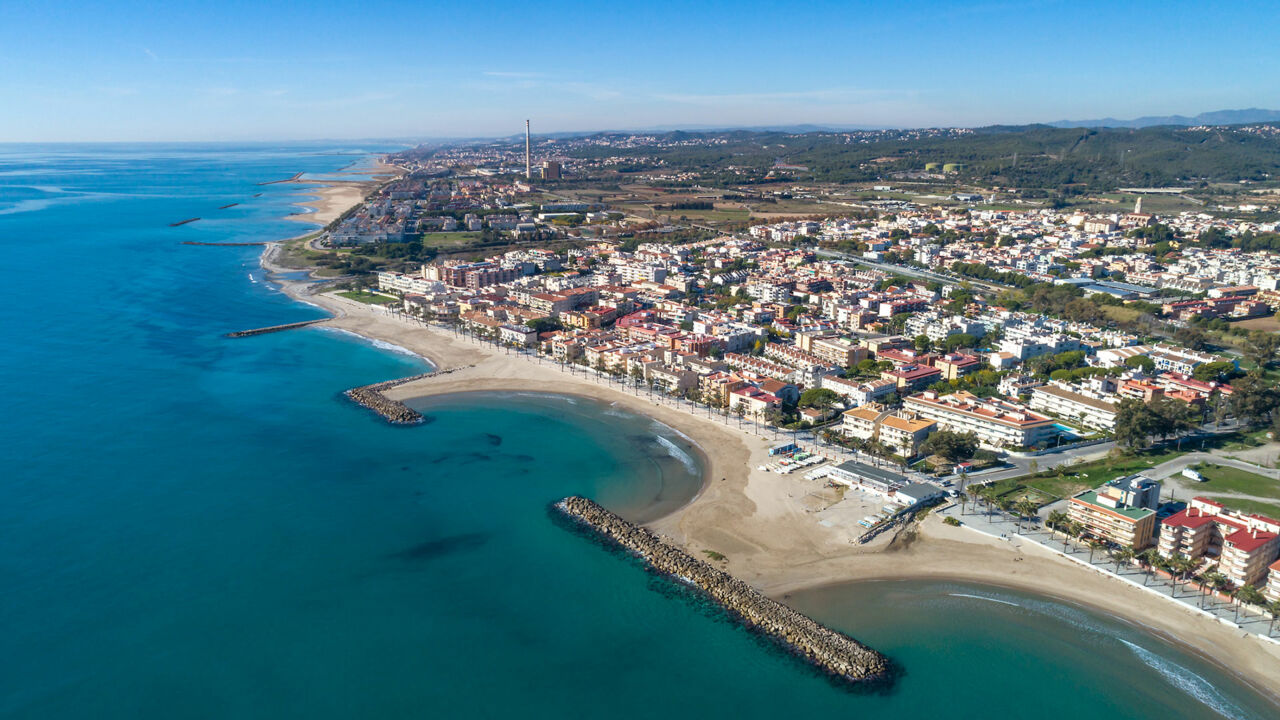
x=394, y=411
x=274, y=328
x=833, y=653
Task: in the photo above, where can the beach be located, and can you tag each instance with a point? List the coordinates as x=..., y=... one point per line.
x=763, y=523
x=334, y=197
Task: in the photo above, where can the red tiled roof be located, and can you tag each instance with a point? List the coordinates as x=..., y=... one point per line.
x=1249, y=541
x=1184, y=518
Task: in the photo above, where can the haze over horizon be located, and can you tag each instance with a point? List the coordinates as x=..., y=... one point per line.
x=243, y=71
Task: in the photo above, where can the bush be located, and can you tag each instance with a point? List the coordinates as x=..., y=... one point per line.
x=948, y=520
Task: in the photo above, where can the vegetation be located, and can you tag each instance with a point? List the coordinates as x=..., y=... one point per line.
x=370, y=298
x=1220, y=478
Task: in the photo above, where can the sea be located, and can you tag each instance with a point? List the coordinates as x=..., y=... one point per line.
x=194, y=526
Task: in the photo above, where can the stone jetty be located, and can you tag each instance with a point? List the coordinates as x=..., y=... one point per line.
x=835, y=654
x=274, y=328
x=394, y=411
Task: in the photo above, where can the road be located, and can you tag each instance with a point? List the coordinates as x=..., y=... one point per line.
x=912, y=272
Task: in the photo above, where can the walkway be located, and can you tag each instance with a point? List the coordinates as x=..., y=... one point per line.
x=991, y=521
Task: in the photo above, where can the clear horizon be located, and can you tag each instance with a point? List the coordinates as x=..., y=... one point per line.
x=241, y=71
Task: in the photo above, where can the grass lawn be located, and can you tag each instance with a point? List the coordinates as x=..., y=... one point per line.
x=1229, y=479
x=1249, y=506
x=449, y=239
x=368, y=297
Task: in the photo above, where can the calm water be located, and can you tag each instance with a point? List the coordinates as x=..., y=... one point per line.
x=192, y=526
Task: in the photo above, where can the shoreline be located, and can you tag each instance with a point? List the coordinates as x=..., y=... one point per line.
x=771, y=539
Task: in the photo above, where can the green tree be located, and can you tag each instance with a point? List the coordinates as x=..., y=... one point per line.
x=1261, y=348
x=1141, y=362
x=820, y=398
x=952, y=446
x=1254, y=399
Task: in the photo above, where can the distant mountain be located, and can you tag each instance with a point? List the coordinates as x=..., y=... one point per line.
x=1217, y=117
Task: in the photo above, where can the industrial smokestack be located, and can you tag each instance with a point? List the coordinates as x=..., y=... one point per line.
x=528, y=162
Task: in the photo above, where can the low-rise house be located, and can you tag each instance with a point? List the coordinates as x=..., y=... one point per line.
x=908, y=378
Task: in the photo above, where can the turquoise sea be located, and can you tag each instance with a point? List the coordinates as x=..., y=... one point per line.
x=198, y=527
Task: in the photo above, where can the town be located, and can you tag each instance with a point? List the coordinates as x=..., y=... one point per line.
x=1061, y=367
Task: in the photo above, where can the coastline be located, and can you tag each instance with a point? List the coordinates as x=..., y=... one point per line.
x=332, y=198
x=759, y=520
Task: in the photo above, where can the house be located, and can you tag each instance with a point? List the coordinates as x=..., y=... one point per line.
x=954, y=365
x=908, y=378
x=904, y=432
x=521, y=335
x=915, y=494
x=757, y=401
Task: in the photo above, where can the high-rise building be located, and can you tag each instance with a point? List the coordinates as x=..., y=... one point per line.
x=550, y=170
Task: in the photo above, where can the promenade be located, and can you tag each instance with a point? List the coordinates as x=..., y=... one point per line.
x=995, y=523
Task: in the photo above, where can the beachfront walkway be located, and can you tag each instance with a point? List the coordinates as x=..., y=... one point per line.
x=995, y=523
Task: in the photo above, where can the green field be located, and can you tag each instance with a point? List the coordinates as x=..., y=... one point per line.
x=368, y=297
x=449, y=239
x=1229, y=479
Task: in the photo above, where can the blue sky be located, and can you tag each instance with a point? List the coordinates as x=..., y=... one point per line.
x=301, y=70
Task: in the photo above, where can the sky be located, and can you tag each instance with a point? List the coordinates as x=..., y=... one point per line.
x=229, y=70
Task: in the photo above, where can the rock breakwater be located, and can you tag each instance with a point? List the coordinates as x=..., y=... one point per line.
x=833, y=653
x=394, y=411
x=274, y=328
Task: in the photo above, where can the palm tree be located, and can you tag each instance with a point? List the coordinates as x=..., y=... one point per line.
x=1252, y=595
x=1274, y=609
x=1180, y=565
x=1122, y=555
x=1027, y=508
x=1215, y=581
x=962, y=496
x=1148, y=558
x=1056, y=520
x=1094, y=546
x=1004, y=504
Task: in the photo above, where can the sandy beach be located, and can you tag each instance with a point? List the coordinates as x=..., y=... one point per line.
x=765, y=523
x=335, y=197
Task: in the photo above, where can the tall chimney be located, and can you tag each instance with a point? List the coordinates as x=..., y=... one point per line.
x=528, y=164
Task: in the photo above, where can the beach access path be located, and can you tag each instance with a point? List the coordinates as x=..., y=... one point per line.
x=765, y=523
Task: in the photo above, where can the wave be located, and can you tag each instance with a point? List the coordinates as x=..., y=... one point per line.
x=1175, y=674
x=679, y=454
x=984, y=597
x=1187, y=681
x=380, y=344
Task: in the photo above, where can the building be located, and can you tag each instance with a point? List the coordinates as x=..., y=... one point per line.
x=996, y=423
x=916, y=494
x=908, y=378
x=551, y=170
x=904, y=432
x=1245, y=544
x=954, y=365
x=1273, y=581
x=863, y=421
x=1112, y=513
x=868, y=478
x=1067, y=403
